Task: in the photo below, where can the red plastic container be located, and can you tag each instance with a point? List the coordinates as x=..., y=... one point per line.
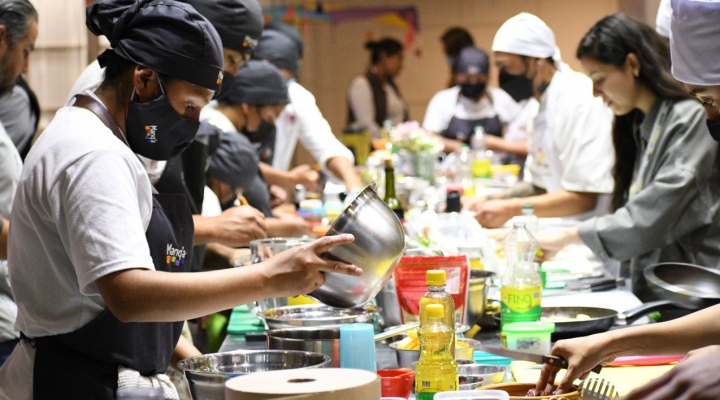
x=397, y=382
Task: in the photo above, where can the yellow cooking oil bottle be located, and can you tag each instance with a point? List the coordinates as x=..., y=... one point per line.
x=436, y=294
x=521, y=290
x=436, y=371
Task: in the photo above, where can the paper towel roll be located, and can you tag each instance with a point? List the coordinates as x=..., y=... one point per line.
x=318, y=384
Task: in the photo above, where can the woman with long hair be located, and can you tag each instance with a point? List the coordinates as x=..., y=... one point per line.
x=666, y=200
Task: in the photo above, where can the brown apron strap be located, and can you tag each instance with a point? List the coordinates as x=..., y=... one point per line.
x=98, y=109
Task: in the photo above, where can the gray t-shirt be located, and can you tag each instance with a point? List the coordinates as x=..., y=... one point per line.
x=17, y=116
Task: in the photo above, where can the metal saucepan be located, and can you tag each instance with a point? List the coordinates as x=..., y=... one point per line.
x=320, y=340
x=686, y=285
x=316, y=315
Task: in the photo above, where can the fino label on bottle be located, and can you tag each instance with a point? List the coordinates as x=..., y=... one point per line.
x=520, y=304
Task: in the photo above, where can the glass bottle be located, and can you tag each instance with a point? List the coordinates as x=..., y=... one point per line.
x=390, y=199
x=436, y=370
x=521, y=290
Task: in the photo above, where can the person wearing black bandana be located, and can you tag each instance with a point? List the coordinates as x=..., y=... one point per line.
x=239, y=24
x=98, y=262
x=455, y=112
x=258, y=97
x=570, y=157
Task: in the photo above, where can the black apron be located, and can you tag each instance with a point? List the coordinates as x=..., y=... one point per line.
x=463, y=129
x=83, y=364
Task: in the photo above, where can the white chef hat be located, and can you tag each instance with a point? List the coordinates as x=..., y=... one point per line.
x=694, y=45
x=662, y=20
x=525, y=35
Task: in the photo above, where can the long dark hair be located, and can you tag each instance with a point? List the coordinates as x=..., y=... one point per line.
x=610, y=41
x=456, y=39
x=388, y=46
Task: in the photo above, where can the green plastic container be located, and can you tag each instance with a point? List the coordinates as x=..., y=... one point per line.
x=531, y=337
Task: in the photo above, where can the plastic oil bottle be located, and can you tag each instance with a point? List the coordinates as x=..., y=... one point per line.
x=521, y=290
x=436, y=371
x=531, y=221
x=436, y=280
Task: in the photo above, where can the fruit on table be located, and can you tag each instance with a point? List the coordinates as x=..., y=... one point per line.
x=411, y=342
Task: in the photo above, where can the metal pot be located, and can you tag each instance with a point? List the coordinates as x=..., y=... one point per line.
x=379, y=244
x=316, y=315
x=477, y=294
x=207, y=374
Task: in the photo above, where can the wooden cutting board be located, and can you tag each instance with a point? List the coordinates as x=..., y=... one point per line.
x=625, y=379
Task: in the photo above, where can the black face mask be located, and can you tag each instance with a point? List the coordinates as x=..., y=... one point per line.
x=156, y=131
x=263, y=132
x=714, y=128
x=472, y=91
x=227, y=84
x=519, y=87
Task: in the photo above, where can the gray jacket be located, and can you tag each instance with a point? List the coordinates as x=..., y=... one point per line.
x=675, y=217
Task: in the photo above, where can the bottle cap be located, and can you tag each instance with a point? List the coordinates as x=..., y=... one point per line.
x=435, y=277
x=528, y=207
x=388, y=163
x=453, y=202
x=435, y=311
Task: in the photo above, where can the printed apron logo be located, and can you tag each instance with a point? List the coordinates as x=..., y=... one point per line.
x=175, y=256
x=150, y=131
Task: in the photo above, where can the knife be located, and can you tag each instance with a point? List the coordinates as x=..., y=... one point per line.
x=536, y=358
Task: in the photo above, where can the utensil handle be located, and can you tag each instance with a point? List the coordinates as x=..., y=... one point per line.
x=562, y=363
x=396, y=331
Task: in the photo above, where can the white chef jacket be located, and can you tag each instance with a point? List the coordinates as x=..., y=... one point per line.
x=301, y=119
x=448, y=103
x=571, y=141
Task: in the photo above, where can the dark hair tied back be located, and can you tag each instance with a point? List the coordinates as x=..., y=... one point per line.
x=388, y=46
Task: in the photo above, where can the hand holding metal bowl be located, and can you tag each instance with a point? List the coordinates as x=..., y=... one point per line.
x=379, y=243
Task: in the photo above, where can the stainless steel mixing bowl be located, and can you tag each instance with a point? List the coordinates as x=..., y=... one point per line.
x=207, y=374
x=316, y=315
x=379, y=244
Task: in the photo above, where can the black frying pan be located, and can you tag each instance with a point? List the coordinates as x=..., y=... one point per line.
x=689, y=286
x=601, y=319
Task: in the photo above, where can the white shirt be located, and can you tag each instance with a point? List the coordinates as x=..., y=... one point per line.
x=302, y=120
x=448, y=103
x=360, y=100
x=82, y=207
x=10, y=168
x=214, y=117
x=571, y=143
x=519, y=129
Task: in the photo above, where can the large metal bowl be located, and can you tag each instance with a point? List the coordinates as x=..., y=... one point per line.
x=318, y=340
x=408, y=358
x=316, y=315
x=379, y=244
x=207, y=374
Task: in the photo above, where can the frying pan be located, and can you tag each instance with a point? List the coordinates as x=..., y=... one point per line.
x=601, y=319
x=689, y=286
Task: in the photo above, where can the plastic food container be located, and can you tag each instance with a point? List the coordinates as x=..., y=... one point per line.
x=531, y=337
x=473, y=395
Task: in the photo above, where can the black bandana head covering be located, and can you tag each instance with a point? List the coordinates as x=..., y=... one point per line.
x=258, y=83
x=234, y=162
x=166, y=36
x=278, y=49
x=472, y=60
x=238, y=22
x=291, y=32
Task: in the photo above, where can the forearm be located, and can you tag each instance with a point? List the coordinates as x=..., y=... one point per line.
x=221, y=254
x=675, y=337
x=4, y=229
x=140, y=295
x=342, y=168
x=521, y=189
x=204, y=230
x=277, y=177
x=184, y=349
x=499, y=144
x=288, y=227
x=451, y=145
x=559, y=204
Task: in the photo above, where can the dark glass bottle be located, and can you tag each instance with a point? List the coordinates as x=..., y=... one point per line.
x=390, y=198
